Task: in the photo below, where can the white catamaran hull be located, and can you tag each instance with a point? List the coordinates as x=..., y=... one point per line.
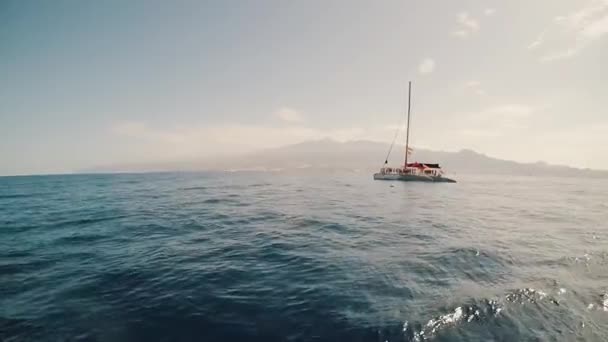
x=413, y=178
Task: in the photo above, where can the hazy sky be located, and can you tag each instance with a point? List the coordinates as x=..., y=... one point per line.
x=86, y=83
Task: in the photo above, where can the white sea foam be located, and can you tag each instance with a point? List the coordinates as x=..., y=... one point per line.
x=434, y=325
x=487, y=309
x=442, y=320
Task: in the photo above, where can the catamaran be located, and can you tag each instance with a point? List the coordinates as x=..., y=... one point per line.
x=411, y=172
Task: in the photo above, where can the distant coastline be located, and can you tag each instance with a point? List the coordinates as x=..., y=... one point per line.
x=327, y=156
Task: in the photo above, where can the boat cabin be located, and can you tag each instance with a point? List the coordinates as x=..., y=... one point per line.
x=433, y=170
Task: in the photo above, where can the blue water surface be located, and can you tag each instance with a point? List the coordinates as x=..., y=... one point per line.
x=270, y=257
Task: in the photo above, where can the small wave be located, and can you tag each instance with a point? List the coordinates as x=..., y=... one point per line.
x=433, y=325
x=601, y=305
x=88, y=221
x=474, y=264
x=460, y=315
x=228, y=200
x=530, y=295
x=194, y=188
x=26, y=266
x=307, y=222
x=587, y=260
x=79, y=239
x=13, y=196
x=367, y=219
x=580, y=259
x=482, y=311
x=14, y=329
x=14, y=227
x=263, y=216
x=302, y=222
x=16, y=254
x=257, y=185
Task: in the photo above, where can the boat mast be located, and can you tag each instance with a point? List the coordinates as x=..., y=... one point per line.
x=407, y=135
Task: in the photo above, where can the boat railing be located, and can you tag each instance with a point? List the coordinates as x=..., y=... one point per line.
x=411, y=171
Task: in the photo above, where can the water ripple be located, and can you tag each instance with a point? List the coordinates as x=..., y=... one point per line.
x=257, y=257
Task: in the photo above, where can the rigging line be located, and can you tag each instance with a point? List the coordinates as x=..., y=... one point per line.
x=392, y=144
x=395, y=139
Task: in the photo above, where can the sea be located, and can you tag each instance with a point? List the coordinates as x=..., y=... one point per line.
x=246, y=256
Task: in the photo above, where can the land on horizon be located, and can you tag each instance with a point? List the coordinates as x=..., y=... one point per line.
x=328, y=155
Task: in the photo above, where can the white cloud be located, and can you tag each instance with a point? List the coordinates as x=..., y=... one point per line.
x=460, y=33
x=472, y=84
x=494, y=122
x=466, y=25
x=597, y=28
x=537, y=42
x=144, y=132
x=426, y=66
x=289, y=115
x=475, y=86
x=467, y=22
x=571, y=52
x=587, y=144
x=509, y=110
x=570, y=34
x=489, y=11
x=505, y=116
x=480, y=133
x=199, y=139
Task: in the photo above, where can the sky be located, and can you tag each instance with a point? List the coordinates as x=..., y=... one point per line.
x=92, y=83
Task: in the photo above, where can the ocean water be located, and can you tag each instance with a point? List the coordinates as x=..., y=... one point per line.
x=261, y=257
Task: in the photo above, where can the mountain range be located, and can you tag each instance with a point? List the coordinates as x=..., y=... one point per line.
x=329, y=156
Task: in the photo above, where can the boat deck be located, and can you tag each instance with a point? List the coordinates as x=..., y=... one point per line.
x=413, y=178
